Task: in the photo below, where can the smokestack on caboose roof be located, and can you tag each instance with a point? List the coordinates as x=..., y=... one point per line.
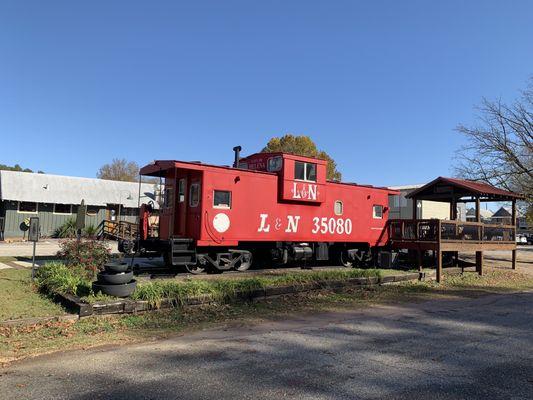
x=237, y=150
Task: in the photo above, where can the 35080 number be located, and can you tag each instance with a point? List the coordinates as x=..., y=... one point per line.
x=332, y=225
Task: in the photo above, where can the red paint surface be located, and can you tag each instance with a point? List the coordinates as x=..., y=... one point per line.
x=266, y=208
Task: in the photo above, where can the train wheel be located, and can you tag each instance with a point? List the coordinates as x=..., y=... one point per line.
x=344, y=260
x=244, y=263
x=195, y=269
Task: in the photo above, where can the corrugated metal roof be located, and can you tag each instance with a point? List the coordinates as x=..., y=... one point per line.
x=407, y=187
x=46, y=188
x=483, y=212
x=474, y=187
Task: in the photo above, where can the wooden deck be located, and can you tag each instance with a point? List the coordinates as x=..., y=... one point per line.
x=120, y=229
x=447, y=235
x=451, y=236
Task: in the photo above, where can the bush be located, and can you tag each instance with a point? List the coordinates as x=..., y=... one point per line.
x=87, y=253
x=66, y=230
x=90, y=231
x=57, y=278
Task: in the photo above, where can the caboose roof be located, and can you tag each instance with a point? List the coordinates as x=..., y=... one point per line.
x=290, y=156
x=156, y=167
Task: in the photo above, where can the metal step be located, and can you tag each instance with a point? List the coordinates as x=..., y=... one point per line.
x=183, y=252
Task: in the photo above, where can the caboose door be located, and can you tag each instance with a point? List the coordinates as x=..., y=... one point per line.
x=181, y=205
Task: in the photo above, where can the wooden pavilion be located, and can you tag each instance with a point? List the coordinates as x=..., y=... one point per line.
x=453, y=235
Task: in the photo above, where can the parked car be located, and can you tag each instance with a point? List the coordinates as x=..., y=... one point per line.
x=521, y=239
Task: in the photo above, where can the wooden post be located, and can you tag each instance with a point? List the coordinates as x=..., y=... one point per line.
x=419, y=256
x=439, y=265
x=415, y=203
x=479, y=262
x=478, y=210
x=513, y=222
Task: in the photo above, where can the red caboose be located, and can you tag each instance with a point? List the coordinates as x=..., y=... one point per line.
x=268, y=205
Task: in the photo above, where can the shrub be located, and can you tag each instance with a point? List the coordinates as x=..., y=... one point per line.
x=57, y=278
x=90, y=231
x=89, y=253
x=66, y=230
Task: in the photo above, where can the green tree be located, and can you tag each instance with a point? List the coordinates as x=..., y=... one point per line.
x=302, y=146
x=18, y=168
x=119, y=169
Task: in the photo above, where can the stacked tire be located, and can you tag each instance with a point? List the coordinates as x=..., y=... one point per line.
x=116, y=280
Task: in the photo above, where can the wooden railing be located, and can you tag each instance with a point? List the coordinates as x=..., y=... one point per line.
x=120, y=229
x=435, y=230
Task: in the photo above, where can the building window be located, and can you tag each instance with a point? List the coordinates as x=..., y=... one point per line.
x=27, y=207
x=274, y=164
x=377, y=212
x=62, y=208
x=338, y=208
x=92, y=211
x=305, y=171
x=194, y=195
x=222, y=199
x=181, y=190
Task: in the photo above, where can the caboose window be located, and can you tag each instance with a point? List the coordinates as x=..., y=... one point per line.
x=274, y=164
x=181, y=190
x=377, y=212
x=305, y=171
x=222, y=199
x=194, y=195
x=338, y=209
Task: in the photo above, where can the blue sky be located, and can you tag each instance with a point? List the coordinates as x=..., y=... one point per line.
x=380, y=85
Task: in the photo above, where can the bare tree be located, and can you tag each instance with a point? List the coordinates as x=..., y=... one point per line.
x=119, y=170
x=499, y=148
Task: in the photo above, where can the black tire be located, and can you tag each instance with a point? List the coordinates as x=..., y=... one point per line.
x=124, y=290
x=114, y=267
x=115, y=278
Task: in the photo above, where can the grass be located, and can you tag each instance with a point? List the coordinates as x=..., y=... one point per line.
x=225, y=290
x=42, y=338
x=56, y=278
x=19, y=298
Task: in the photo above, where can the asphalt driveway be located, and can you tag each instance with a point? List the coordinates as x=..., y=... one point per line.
x=454, y=349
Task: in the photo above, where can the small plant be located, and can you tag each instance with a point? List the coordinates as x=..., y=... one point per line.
x=57, y=278
x=66, y=230
x=88, y=253
x=90, y=231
